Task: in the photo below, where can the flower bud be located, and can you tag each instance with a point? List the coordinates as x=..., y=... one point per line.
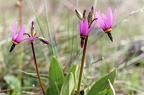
x=79, y=15
x=84, y=14
x=33, y=33
x=44, y=40
x=90, y=16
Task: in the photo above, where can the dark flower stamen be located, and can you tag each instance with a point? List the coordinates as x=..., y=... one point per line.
x=110, y=36
x=82, y=41
x=12, y=47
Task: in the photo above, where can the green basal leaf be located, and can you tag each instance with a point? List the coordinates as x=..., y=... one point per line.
x=109, y=91
x=68, y=85
x=53, y=89
x=56, y=77
x=74, y=70
x=14, y=83
x=102, y=83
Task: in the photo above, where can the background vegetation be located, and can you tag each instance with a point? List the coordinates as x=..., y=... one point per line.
x=126, y=53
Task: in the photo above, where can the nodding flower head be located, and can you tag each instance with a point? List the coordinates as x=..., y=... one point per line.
x=85, y=29
x=16, y=39
x=86, y=24
x=106, y=21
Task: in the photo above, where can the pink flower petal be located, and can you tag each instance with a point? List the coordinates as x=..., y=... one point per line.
x=109, y=16
x=92, y=27
x=14, y=30
x=29, y=39
x=106, y=21
x=85, y=27
x=99, y=20
x=20, y=34
x=81, y=25
x=114, y=16
x=104, y=18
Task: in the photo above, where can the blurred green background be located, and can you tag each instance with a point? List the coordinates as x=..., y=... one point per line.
x=58, y=17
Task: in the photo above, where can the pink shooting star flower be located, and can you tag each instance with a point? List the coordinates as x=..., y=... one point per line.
x=17, y=39
x=86, y=24
x=106, y=21
x=85, y=29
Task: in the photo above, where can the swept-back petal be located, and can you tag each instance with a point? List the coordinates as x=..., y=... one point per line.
x=20, y=34
x=14, y=30
x=104, y=18
x=85, y=27
x=99, y=20
x=92, y=27
x=108, y=24
x=81, y=25
x=105, y=21
x=109, y=16
x=114, y=16
x=30, y=39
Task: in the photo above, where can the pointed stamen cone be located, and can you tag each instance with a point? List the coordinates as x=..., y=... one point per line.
x=110, y=36
x=82, y=42
x=12, y=47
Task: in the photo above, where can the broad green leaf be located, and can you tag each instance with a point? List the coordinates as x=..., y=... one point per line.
x=56, y=77
x=102, y=83
x=68, y=85
x=14, y=83
x=109, y=91
x=74, y=70
x=53, y=90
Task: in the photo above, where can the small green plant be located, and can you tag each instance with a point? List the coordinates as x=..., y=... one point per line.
x=71, y=82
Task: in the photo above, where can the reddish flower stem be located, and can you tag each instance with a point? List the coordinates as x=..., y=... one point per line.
x=82, y=66
x=36, y=67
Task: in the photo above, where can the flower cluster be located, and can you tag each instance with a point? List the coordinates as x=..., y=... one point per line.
x=16, y=39
x=86, y=24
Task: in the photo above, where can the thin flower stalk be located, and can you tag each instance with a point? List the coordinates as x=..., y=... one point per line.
x=45, y=41
x=82, y=66
x=86, y=25
x=37, y=70
x=17, y=39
